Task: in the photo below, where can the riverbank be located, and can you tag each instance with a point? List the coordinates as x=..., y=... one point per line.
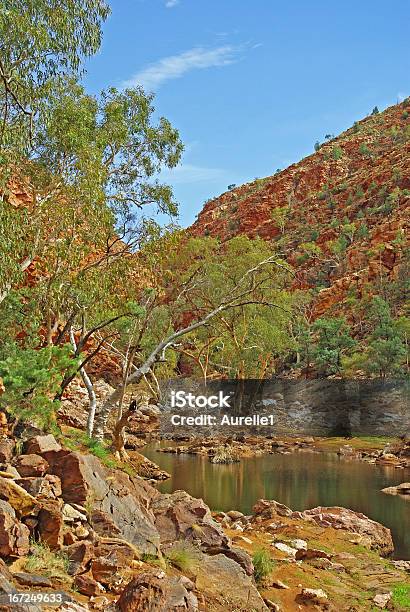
x=105, y=539
x=226, y=449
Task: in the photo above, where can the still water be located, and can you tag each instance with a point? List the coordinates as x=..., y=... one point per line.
x=299, y=480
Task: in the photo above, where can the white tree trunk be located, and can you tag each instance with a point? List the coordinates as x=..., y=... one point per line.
x=90, y=390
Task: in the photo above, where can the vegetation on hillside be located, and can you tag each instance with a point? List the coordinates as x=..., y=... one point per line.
x=86, y=272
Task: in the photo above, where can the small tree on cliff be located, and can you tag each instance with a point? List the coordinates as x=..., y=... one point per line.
x=387, y=351
x=333, y=340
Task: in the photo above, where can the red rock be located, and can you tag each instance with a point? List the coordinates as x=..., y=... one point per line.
x=79, y=555
x=105, y=571
x=150, y=591
x=121, y=554
x=50, y=524
x=269, y=508
x=180, y=516
x=86, y=585
x=311, y=553
x=41, y=445
x=46, y=487
x=14, y=536
x=6, y=450
x=31, y=465
x=355, y=522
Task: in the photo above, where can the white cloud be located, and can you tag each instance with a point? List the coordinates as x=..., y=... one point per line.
x=171, y=3
x=189, y=173
x=175, y=66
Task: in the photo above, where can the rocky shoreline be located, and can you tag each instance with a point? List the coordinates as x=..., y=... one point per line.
x=228, y=449
x=112, y=541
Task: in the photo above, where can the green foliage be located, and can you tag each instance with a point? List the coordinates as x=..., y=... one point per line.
x=109, y=145
x=339, y=246
x=362, y=231
x=375, y=111
x=41, y=42
x=183, y=555
x=364, y=150
x=333, y=339
x=31, y=378
x=337, y=153
x=401, y=596
x=45, y=562
x=386, y=350
x=280, y=215
x=263, y=564
x=348, y=230
x=243, y=339
x=311, y=249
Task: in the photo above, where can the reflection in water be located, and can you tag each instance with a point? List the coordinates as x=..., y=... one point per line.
x=299, y=480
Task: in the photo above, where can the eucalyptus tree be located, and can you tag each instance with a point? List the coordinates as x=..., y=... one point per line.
x=199, y=283
x=41, y=41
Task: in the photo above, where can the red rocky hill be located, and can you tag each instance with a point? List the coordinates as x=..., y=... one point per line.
x=339, y=216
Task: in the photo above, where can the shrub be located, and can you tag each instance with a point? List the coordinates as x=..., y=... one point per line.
x=45, y=562
x=183, y=556
x=364, y=149
x=401, y=595
x=32, y=378
x=337, y=153
x=224, y=454
x=263, y=564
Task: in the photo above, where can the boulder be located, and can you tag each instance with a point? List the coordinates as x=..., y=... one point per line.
x=124, y=501
x=6, y=579
x=106, y=572
x=316, y=596
x=401, y=489
x=341, y=518
x=6, y=450
x=285, y=548
x=180, y=516
x=298, y=543
x=22, y=502
x=14, y=536
x=122, y=553
x=79, y=556
x=9, y=471
x=236, y=554
x=71, y=515
x=103, y=524
x=311, y=553
x=234, y=515
x=269, y=508
x=33, y=580
x=223, y=580
x=44, y=487
x=381, y=600
x=42, y=445
x=155, y=591
x=31, y=465
x=86, y=585
x=50, y=524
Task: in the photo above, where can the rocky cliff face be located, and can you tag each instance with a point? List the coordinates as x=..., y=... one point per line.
x=340, y=216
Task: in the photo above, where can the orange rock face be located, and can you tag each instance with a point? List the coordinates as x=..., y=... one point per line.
x=354, y=191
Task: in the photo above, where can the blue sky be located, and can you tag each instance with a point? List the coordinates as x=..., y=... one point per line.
x=252, y=84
